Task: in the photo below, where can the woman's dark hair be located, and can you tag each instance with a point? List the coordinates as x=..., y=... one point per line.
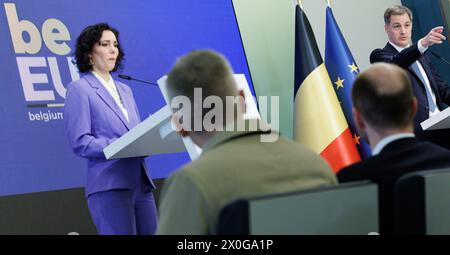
x=85, y=43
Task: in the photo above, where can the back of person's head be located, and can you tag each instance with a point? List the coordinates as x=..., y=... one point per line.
x=396, y=10
x=203, y=77
x=383, y=95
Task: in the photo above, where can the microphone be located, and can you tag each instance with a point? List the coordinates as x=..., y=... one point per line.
x=127, y=77
x=439, y=57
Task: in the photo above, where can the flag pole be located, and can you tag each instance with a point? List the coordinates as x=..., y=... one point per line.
x=300, y=2
x=329, y=3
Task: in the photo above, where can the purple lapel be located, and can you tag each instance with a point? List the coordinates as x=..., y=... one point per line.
x=128, y=102
x=107, y=98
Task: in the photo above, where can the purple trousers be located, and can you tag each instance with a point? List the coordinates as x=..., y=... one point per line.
x=124, y=211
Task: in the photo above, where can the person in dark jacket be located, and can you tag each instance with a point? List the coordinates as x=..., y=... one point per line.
x=384, y=109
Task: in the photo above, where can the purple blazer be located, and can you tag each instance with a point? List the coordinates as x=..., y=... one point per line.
x=93, y=120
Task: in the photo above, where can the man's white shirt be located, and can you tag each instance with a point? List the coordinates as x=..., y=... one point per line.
x=422, y=71
x=387, y=140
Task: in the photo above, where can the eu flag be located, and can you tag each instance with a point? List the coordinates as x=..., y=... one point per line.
x=342, y=69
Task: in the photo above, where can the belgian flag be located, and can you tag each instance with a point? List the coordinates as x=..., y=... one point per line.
x=319, y=122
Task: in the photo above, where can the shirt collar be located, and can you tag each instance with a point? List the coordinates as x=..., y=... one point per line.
x=102, y=81
x=389, y=139
x=224, y=136
x=398, y=48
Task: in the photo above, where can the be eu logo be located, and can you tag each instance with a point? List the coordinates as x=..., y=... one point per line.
x=44, y=92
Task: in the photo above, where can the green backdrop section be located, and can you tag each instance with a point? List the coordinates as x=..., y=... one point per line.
x=268, y=37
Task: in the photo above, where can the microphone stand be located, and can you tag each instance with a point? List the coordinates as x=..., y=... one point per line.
x=127, y=77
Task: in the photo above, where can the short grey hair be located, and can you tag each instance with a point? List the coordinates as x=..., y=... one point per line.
x=396, y=10
x=205, y=69
x=202, y=69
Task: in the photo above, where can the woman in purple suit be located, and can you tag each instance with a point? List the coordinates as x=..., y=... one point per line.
x=97, y=111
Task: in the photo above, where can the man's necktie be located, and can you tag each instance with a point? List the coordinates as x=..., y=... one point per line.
x=431, y=102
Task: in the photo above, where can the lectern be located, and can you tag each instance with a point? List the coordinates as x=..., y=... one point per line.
x=439, y=121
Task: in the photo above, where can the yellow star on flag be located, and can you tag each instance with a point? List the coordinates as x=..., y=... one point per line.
x=353, y=68
x=356, y=138
x=339, y=83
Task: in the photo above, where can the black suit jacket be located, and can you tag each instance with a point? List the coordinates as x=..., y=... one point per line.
x=395, y=159
x=404, y=59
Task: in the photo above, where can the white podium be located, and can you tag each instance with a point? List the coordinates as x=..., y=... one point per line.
x=155, y=135
x=151, y=137
x=438, y=121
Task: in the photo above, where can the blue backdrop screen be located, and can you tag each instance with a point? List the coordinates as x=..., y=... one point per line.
x=37, y=43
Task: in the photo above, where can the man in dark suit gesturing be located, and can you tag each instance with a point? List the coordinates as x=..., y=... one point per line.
x=431, y=91
x=384, y=108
